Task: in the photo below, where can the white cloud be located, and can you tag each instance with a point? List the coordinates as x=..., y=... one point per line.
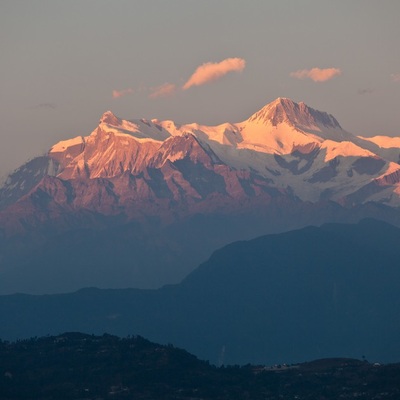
x=316, y=74
x=47, y=106
x=395, y=77
x=212, y=71
x=365, y=91
x=120, y=93
x=167, y=89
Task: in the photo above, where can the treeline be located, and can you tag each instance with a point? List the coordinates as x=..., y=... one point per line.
x=79, y=366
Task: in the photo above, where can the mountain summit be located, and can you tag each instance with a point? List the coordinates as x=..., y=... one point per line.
x=109, y=118
x=286, y=166
x=298, y=115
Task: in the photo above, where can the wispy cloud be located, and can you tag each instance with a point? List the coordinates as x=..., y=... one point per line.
x=45, y=106
x=120, y=93
x=363, y=92
x=203, y=74
x=316, y=74
x=212, y=71
x=167, y=89
x=395, y=77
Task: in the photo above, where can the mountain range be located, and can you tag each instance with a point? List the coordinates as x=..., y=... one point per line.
x=141, y=203
x=329, y=291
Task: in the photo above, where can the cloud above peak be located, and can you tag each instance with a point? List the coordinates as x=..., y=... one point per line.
x=203, y=74
x=45, y=106
x=167, y=89
x=316, y=74
x=395, y=77
x=210, y=71
x=120, y=93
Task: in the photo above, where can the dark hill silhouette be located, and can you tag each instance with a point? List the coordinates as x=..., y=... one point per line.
x=78, y=366
x=313, y=293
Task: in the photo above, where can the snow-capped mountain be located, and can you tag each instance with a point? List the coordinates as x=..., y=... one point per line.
x=286, y=166
x=285, y=147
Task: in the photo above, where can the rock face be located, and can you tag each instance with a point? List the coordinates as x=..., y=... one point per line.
x=286, y=166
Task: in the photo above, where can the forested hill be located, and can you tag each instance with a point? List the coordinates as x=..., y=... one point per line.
x=79, y=366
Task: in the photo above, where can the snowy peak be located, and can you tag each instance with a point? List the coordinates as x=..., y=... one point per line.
x=186, y=146
x=110, y=118
x=298, y=115
x=283, y=126
x=137, y=128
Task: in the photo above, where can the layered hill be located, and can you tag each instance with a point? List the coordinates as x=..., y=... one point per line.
x=159, y=183
x=77, y=366
x=313, y=293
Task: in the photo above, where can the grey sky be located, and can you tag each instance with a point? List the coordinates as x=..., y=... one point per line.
x=61, y=60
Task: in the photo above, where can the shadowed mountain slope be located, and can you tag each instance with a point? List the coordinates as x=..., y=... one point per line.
x=311, y=293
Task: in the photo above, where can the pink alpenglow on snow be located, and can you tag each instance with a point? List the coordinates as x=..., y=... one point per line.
x=384, y=142
x=210, y=71
x=316, y=74
x=120, y=93
x=167, y=89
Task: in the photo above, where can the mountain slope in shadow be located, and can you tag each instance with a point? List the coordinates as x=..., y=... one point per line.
x=312, y=293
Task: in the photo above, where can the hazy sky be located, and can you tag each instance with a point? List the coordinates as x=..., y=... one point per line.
x=64, y=63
